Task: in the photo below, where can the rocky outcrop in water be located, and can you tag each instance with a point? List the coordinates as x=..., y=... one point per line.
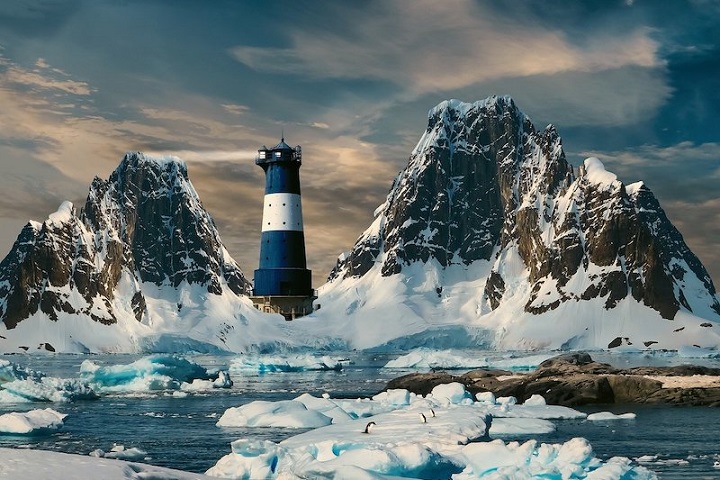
x=576, y=379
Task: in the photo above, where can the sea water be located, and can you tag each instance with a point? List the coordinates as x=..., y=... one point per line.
x=180, y=431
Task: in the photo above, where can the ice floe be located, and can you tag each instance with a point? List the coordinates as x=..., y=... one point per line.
x=152, y=373
x=604, y=416
x=148, y=374
x=252, y=364
x=41, y=465
x=34, y=422
x=430, y=359
x=121, y=453
x=446, y=434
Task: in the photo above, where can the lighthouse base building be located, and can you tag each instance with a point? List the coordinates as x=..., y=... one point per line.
x=282, y=283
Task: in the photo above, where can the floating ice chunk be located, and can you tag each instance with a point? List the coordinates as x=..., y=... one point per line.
x=121, y=453
x=602, y=416
x=573, y=459
x=256, y=459
x=261, y=364
x=509, y=401
x=429, y=359
x=485, y=397
x=547, y=412
x=535, y=401
x=223, y=380
x=326, y=406
x=47, y=389
x=395, y=397
x=502, y=427
x=151, y=373
x=411, y=460
x=34, y=422
x=10, y=371
x=18, y=384
x=453, y=393
x=282, y=414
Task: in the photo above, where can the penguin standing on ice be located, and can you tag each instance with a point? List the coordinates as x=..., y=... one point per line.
x=423, y=418
x=432, y=413
x=369, y=427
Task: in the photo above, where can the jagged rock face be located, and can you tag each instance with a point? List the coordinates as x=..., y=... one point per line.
x=484, y=184
x=144, y=224
x=463, y=181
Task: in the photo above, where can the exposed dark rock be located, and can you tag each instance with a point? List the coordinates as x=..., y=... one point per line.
x=144, y=224
x=484, y=183
x=576, y=379
x=420, y=383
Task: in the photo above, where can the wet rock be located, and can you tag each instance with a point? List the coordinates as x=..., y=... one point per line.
x=575, y=379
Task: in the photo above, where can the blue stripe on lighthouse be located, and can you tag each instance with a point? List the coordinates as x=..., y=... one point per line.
x=282, y=249
x=282, y=178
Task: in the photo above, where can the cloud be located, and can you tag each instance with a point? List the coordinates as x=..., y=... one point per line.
x=235, y=109
x=426, y=46
x=23, y=77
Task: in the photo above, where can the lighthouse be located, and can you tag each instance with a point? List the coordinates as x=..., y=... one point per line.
x=282, y=284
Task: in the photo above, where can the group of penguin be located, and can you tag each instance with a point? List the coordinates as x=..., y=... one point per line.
x=423, y=419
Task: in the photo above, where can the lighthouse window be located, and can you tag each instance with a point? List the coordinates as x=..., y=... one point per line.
x=283, y=223
x=277, y=154
x=283, y=204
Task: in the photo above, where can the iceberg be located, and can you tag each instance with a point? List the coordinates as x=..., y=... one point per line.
x=152, y=373
x=252, y=364
x=429, y=359
x=46, y=389
x=34, y=422
x=283, y=414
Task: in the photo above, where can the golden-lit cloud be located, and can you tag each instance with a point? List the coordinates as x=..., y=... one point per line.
x=424, y=46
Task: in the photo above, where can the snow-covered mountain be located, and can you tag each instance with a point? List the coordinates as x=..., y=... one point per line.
x=489, y=234
x=488, y=238
x=140, y=267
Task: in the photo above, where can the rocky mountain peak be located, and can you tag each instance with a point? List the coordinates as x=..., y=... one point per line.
x=484, y=184
x=144, y=225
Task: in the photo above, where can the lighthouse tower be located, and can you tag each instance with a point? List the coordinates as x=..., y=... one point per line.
x=283, y=284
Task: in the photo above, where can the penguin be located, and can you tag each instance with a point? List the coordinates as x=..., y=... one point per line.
x=369, y=427
x=432, y=413
x=423, y=418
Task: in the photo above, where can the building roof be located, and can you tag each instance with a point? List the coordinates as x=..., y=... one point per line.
x=282, y=146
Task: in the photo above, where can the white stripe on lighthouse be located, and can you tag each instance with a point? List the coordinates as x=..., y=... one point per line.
x=282, y=211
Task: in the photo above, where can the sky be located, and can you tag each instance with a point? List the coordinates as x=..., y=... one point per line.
x=635, y=83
